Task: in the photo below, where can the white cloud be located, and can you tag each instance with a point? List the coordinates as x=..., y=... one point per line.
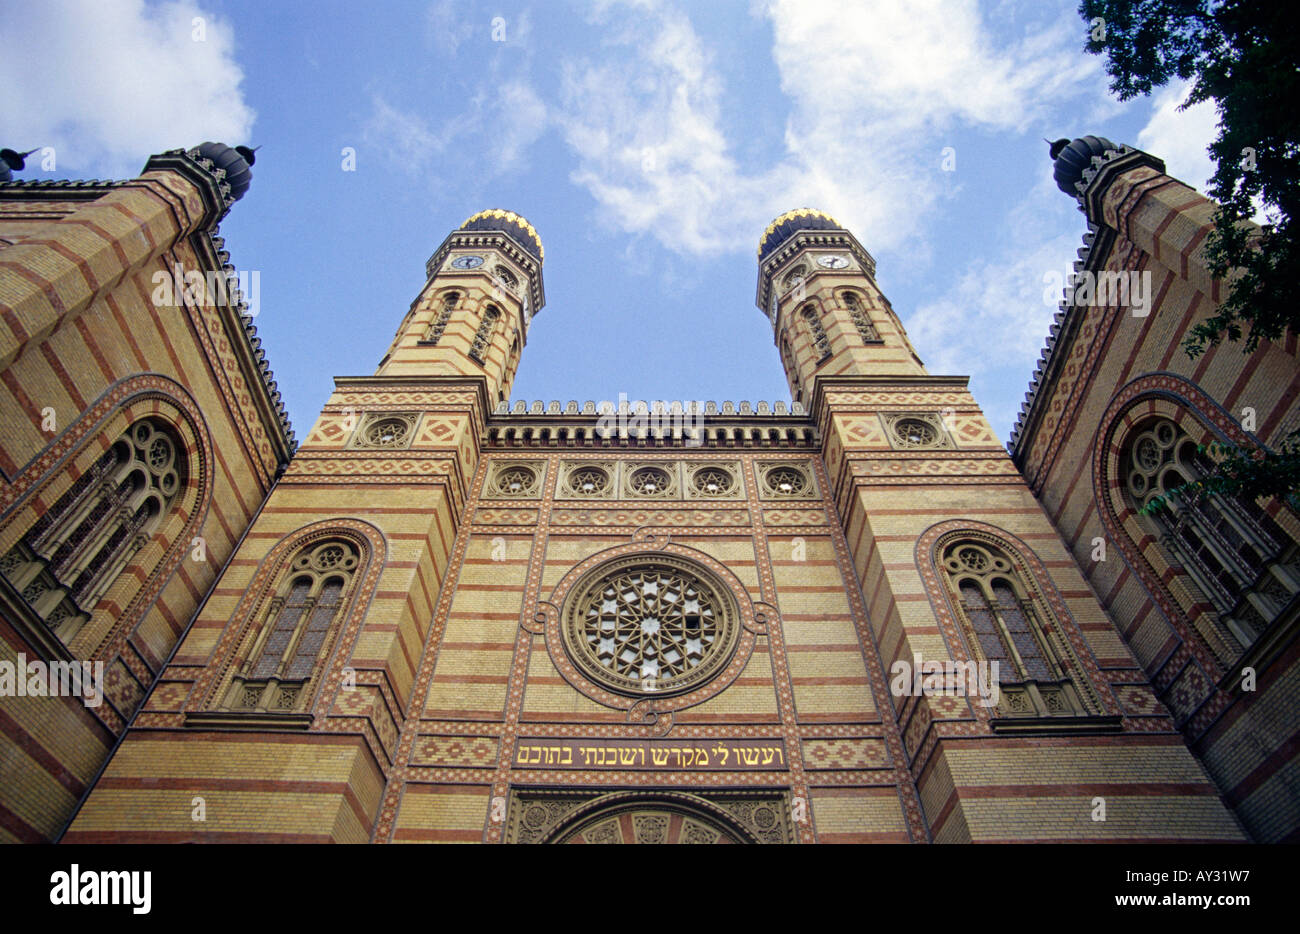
x=402, y=138
x=500, y=125
x=117, y=82
x=448, y=26
x=644, y=124
x=1181, y=138
x=521, y=118
x=871, y=90
x=1003, y=304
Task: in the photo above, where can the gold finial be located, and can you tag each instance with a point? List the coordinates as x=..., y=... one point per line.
x=789, y=215
x=498, y=214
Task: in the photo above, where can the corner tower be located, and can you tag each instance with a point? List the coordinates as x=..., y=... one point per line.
x=309, y=648
x=959, y=565
x=472, y=317
x=817, y=286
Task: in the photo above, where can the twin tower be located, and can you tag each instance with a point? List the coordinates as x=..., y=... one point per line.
x=848, y=619
x=816, y=285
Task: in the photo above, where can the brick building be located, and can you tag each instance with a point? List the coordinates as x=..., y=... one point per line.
x=443, y=617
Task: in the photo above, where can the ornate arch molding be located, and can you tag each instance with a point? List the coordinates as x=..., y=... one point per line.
x=855, y=301
x=232, y=652
x=1162, y=395
x=121, y=608
x=1065, y=635
x=752, y=618
x=707, y=818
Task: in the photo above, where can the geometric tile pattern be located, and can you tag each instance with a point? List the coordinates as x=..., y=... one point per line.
x=447, y=751
x=845, y=754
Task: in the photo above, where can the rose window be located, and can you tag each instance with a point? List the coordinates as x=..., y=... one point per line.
x=158, y=451
x=712, y=481
x=914, y=433
x=328, y=557
x=516, y=481
x=387, y=433
x=786, y=481
x=649, y=481
x=650, y=625
x=588, y=481
x=971, y=558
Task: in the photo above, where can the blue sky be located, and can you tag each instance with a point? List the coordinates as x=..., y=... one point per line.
x=649, y=143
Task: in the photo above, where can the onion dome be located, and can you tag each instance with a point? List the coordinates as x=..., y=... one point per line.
x=11, y=162
x=790, y=223
x=1071, y=158
x=236, y=162
x=511, y=223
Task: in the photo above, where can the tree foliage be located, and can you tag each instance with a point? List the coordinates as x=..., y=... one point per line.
x=1239, y=472
x=1245, y=56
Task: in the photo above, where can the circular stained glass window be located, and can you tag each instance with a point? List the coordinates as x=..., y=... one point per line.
x=786, y=481
x=387, y=433
x=650, y=625
x=915, y=433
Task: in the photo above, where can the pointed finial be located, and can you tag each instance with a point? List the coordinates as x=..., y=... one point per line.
x=15, y=159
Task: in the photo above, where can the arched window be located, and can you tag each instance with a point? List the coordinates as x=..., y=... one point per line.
x=1233, y=552
x=439, y=324
x=1006, y=622
x=483, y=338
x=866, y=330
x=820, y=340
x=288, y=648
x=503, y=279
x=72, y=554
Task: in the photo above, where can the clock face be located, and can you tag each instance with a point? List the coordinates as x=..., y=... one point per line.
x=833, y=262
x=467, y=262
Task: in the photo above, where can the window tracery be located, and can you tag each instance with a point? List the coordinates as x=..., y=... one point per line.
x=866, y=330
x=483, y=337
x=1237, y=556
x=1007, y=622
x=820, y=340
x=449, y=302
x=288, y=649
x=74, y=552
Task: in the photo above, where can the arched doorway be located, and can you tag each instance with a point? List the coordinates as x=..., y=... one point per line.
x=659, y=817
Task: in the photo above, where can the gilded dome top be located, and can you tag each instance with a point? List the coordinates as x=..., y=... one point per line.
x=511, y=223
x=789, y=223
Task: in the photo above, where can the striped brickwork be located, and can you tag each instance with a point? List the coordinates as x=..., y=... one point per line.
x=84, y=352
x=975, y=784
x=1117, y=368
x=446, y=706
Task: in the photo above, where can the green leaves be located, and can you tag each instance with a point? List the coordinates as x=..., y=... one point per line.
x=1245, y=473
x=1245, y=57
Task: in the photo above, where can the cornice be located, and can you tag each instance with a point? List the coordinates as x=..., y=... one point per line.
x=1098, y=241
x=209, y=247
x=800, y=242
x=502, y=242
